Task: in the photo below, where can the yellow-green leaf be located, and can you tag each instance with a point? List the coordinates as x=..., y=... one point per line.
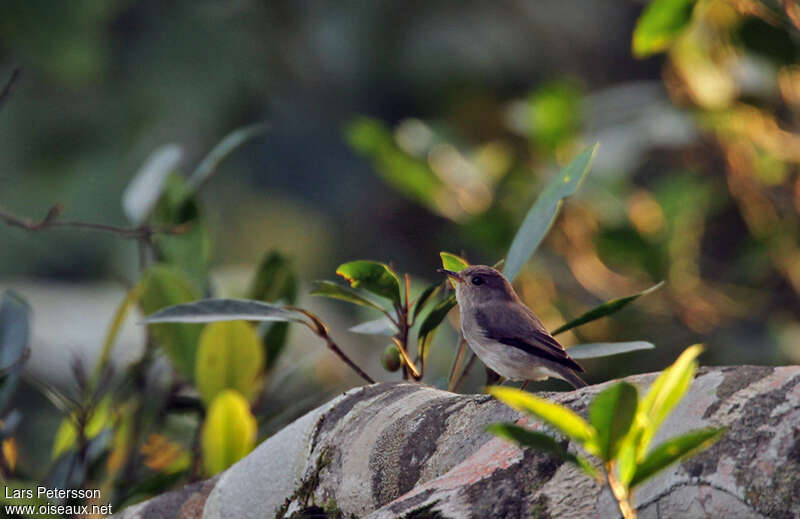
x=560, y=417
x=229, y=356
x=453, y=262
x=67, y=434
x=611, y=413
x=229, y=432
x=373, y=276
x=166, y=286
x=660, y=23
x=673, y=450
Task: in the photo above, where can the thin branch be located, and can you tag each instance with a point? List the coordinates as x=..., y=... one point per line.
x=464, y=373
x=50, y=221
x=6, y=92
x=406, y=359
x=451, y=380
x=321, y=330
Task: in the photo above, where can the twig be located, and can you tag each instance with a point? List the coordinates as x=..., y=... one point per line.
x=321, y=331
x=451, y=380
x=50, y=220
x=415, y=374
x=6, y=92
x=464, y=373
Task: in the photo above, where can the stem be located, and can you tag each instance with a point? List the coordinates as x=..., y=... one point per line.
x=464, y=373
x=620, y=493
x=6, y=92
x=451, y=380
x=318, y=327
x=406, y=359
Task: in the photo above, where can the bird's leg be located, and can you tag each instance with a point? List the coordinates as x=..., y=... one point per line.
x=524, y=385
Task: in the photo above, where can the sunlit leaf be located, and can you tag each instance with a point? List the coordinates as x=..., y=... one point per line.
x=424, y=298
x=660, y=23
x=381, y=326
x=162, y=455
x=539, y=441
x=432, y=321
x=373, y=276
x=453, y=262
x=335, y=291
x=667, y=390
x=673, y=450
x=543, y=212
x=554, y=113
x=595, y=350
x=211, y=310
x=233, y=140
x=275, y=281
x=607, y=308
x=14, y=336
x=229, y=432
x=560, y=417
x=164, y=287
x=67, y=434
x=144, y=190
x=611, y=413
x=229, y=356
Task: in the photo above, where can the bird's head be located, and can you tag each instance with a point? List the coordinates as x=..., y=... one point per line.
x=480, y=284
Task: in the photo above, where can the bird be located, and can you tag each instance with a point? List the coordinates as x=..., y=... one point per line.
x=504, y=333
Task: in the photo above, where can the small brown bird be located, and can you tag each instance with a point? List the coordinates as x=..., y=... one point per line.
x=504, y=333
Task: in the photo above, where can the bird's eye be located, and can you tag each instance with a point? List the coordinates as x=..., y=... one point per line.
x=477, y=280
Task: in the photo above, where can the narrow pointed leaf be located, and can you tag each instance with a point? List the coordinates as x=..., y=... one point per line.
x=144, y=190
x=211, y=310
x=335, y=291
x=660, y=23
x=607, y=308
x=539, y=441
x=544, y=211
x=424, y=298
x=373, y=276
x=560, y=417
x=611, y=413
x=595, y=350
x=431, y=322
x=382, y=326
x=233, y=140
x=667, y=390
x=673, y=450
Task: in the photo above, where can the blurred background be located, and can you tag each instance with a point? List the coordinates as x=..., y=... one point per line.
x=399, y=130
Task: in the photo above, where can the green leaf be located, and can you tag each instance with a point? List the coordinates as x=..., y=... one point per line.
x=432, y=321
x=229, y=432
x=410, y=176
x=211, y=310
x=226, y=146
x=660, y=23
x=189, y=249
x=667, y=390
x=675, y=449
x=382, y=326
x=424, y=298
x=453, y=262
x=560, y=417
x=14, y=336
x=229, y=357
x=543, y=212
x=539, y=441
x=144, y=190
x=373, y=276
x=274, y=281
x=335, y=291
x=165, y=286
x=100, y=418
x=611, y=413
x=607, y=308
x=595, y=350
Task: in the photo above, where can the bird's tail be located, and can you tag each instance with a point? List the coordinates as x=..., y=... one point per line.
x=570, y=376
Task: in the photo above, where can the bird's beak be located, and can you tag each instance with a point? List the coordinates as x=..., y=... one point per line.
x=455, y=276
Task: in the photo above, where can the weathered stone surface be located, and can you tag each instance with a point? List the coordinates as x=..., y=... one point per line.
x=408, y=450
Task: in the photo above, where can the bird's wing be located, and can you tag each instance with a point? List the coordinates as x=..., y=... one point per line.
x=516, y=326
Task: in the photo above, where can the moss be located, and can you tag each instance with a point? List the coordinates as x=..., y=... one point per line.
x=540, y=508
x=305, y=493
